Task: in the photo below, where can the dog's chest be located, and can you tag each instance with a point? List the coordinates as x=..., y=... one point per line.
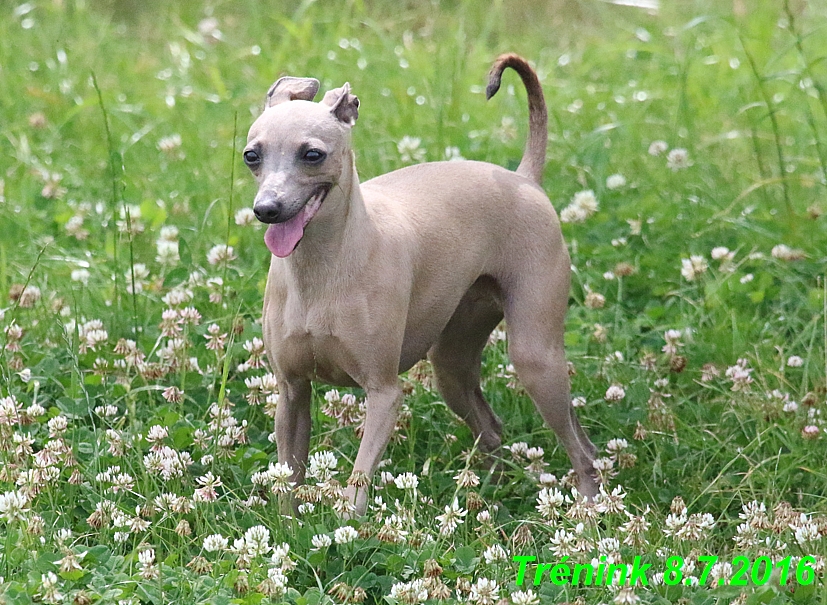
x=310, y=342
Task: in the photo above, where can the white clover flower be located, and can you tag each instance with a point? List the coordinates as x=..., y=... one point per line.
x=615, y=393
x=594, y=300
x=525, y=597
x=693, y=266
x=549, y=502
x=136, y=278
x=167, y=253
x=245, y=216
x=573, y=214
x=608, y=546
x=410, y=593
x=221, y=254
x=49, y=587
x=467, y=478
x=784, y=252
x=13, y=506
x=495, y=553
x=170, y=144
x=320, y=541
x=57, y=426
x=322, y=465
x=657, y=148
x=451, y=519
x=615, y=181
x=81, y=275
x=518, y=450
x=616, y=445
x=305, y=508
x=484, y=592
x=146, y=561
x=278, y=476
x=673, y=343
x=345, y=535
x=535, y=453
x=805, y=530
x=177, y=297
x=794, y=361
x=168, y=233
x=410, y=151
x=35, y=410
x=604, y=467
x=678, y=159
x=587, y=201
x=626, y=596
x=157, y=433
x=276, y=583
x=721, y=253
x=611, y=502
x=74, y=227
x=583, y=205
x=739, y=374
x=547, y=480
x=207, y=492
x=257, y=540
x=453, y=154
x=407, y=481
x=280, y=555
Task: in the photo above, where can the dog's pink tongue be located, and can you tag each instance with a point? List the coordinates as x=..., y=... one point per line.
x=281, y=238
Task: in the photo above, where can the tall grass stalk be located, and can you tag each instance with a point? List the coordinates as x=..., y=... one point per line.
x=819, y=87
x=14, y=309
x=776, y=131
x=117, y=189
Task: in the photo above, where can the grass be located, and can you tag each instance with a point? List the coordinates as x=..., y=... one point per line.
x=121, y=127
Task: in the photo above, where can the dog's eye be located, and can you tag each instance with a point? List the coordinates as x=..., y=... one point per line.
x=251, y=157
x=314, y=156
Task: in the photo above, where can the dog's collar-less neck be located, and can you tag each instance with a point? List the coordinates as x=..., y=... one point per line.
x=336, y=237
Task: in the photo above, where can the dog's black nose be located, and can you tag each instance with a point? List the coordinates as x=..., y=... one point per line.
x=267, y=212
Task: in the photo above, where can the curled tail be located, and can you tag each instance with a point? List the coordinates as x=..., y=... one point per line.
x=534, y=156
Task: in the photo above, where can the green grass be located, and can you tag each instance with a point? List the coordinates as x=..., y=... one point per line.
x=125, y=114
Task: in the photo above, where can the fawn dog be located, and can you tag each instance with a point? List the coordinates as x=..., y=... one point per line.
x=367, y=279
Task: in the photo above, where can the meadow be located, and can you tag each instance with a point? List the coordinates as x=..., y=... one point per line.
x=687, y=159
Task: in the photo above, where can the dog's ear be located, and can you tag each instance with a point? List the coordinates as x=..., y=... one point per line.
x=343, y=105
x=289, y=88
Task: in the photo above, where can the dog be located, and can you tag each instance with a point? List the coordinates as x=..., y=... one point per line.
x=367, y=279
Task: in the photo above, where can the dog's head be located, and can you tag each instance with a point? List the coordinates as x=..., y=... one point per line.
x=296, y=150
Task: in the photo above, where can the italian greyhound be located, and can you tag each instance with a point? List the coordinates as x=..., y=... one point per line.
x=367, y=279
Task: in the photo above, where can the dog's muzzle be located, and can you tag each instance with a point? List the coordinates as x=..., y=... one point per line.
x=287, y=229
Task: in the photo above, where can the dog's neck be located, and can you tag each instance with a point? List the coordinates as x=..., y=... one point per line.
x=337, y=240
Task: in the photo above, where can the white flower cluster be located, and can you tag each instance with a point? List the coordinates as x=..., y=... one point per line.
x=583, y=205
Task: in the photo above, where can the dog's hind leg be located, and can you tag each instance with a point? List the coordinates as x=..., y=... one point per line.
x=456, y=358
x=535, y=311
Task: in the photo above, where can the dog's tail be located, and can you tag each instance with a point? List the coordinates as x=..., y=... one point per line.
x=534, y=157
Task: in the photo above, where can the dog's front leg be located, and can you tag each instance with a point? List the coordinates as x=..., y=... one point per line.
x=293, y=425
x=380, y=419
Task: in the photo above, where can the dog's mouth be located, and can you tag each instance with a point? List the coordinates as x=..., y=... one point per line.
x=282, y=238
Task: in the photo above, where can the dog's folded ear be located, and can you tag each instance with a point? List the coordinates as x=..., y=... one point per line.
x=343, y=105
x=289, y=88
